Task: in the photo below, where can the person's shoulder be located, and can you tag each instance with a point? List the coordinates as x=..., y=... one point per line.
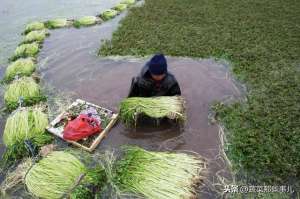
x=171, y=77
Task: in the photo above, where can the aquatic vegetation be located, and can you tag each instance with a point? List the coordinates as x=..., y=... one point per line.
x=108, y=14
x=153, y=107
x=59, y=174
x=263, y=47
x=85, y=21
x=129, y=2
x=24, y=89
x=57, y=23
x=36, y=36
x=158, y=175
x=34, y=26
x=26, y=50
x=120, y=7
x=20, y=67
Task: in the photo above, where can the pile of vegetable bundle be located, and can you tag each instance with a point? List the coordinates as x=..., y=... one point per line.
x=26, y=50
x=21, y=67
x=34, y=26
x=171, y=107
x=57, y=23
x=60, y=174
x=86, y=21
x=36, y=36
x=23, y=125
x=108, y=14
x=158, y=175
x=24, y=89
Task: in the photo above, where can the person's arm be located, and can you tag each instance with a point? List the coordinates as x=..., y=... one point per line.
x=134, y=89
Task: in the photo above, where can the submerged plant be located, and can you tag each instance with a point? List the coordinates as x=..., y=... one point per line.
x=34, y=26
x=153, y=107
x=120, y=7
x=60, y=174
x=108, y=14
x=57, y=23
x=21, y=67
x=24, y=90
x=85, y=21
x=26, y=50
x=158, y=175
x=36, y=36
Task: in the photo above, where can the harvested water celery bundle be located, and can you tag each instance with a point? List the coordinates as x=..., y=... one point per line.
x=21, y=67
x=171, y=107
x=36, y=36
x=120, y=7
x=128, y=2
x=86, y=21
x=57, y=23
x=158, y=175
x=34, y=26
x=26, y=124
x=26, y=50
x=24, y=89
x=108, y=14
x=60, y=174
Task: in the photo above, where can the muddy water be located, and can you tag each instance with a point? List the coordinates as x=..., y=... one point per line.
x=69, y=64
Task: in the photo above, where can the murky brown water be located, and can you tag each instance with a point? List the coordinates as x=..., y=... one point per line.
x=68, y=62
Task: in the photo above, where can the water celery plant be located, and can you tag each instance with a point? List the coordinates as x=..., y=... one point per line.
x=36, y=36
x=108, y=14
x=26, y=50
x=24, y=89
x=60, y=174
x=21, y=67
x=158, y=175
x=154, y=107
x=85, y=21
x=57, y=23
x=34, y=26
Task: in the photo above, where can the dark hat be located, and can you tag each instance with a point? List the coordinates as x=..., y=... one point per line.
x=158, y=65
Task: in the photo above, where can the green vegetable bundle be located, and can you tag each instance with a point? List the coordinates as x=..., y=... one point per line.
x=34, y=26
x=57, y=23
x=85, y=21
x=21, y=67
x=26, y=50
x=171, y=107
x=158, y=175
x=60, y=174
x=36, y=36
x=108, y=14
x=27, y=123
x=129, y=2
x=120, y=7
x=24, y=88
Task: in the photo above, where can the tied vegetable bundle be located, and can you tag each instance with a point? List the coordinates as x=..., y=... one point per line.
x=158, y=175
x=60, y=174
x=26, y=50
x=86, y=21
x=57, y=23
x=36, y=25
x=153, y=107
x=21, y=67
x=24, y=89
x=24, y=133
x=108, y=14
x=36, y=36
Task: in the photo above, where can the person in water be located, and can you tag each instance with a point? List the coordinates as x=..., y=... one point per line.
x=154, y=80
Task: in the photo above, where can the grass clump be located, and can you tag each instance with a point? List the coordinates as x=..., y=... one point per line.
x=153, y=107
x=26, y=50
x=85, y=21
x=21, y=67
x=36, y=36
x=57, y=23
x=58, y=174
x=108, y=14
x=25, y=90
x=120, y=7
x=34, y=26
x=158, y=175
x=261, y=39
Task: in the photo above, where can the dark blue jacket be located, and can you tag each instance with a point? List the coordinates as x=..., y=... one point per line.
x=144, y=86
